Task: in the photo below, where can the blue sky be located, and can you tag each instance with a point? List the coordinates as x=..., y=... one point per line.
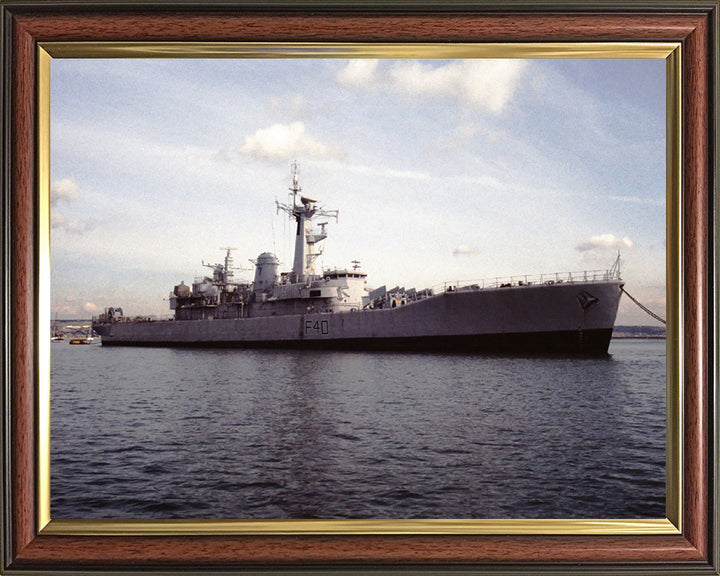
x=442, y=170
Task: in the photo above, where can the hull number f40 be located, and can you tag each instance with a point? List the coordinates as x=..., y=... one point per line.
x=317, y=327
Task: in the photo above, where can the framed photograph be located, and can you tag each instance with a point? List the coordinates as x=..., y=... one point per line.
x=165, y=145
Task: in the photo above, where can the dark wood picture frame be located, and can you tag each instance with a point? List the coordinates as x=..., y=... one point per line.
x=693, y=24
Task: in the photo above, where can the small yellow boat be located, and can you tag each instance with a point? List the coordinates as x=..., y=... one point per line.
x=86, y=339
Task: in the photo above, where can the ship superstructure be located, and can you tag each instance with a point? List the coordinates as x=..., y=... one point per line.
x=275, y=293
x=571, y=312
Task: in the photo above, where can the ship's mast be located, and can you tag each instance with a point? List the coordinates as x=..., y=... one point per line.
x=224, y=274
x=229, y=276
x=305, y=238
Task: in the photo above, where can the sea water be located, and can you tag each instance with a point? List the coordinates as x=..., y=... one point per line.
x=195, y=433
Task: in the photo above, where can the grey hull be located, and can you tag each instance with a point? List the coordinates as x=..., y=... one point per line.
x=574, y=317
x=587, y=342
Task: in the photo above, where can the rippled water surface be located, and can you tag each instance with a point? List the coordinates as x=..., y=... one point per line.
x=165, y=433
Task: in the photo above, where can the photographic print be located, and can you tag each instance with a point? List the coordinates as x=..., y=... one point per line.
x=301, y=288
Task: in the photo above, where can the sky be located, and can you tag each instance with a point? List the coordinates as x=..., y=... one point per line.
x=442, y=171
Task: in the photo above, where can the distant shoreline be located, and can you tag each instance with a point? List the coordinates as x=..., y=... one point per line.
x=639, y=332
x=636, y=337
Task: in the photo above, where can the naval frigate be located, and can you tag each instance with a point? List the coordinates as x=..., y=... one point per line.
x=557, y=313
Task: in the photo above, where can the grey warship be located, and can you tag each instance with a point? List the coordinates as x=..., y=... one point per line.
x=567, y=313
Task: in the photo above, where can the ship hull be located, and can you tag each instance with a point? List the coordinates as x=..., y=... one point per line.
x=574, y=317
x=589, y=342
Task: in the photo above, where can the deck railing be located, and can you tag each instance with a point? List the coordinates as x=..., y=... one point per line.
x=529, y=280
x=146, y=318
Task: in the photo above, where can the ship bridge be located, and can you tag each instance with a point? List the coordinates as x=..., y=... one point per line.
x=332, y=274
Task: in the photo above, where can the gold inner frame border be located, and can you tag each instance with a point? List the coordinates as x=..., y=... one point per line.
x=669, y=51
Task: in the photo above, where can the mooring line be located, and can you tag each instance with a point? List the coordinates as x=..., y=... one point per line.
x=645, y=308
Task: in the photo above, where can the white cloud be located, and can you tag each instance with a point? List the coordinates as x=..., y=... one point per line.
x=90, y=307
x=605, y=242
x=64, y=189
x=358, y=73
x=74, y=307
x=283, y=141
x=59, y=222
x=485, y=84
x=464, y=250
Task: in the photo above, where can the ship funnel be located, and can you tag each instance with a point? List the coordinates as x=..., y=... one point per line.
x=266, y=271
